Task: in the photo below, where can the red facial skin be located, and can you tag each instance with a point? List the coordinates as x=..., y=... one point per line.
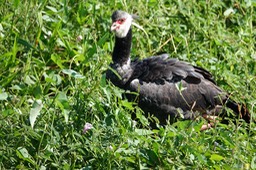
x=120, y=21
x=116, y=25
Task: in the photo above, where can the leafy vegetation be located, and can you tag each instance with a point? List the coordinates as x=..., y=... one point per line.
x=53, y=55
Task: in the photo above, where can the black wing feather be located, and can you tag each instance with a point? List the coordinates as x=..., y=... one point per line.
x=157, y=79
x=160, y=68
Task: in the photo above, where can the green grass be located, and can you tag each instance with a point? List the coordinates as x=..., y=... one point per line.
x=52, y=82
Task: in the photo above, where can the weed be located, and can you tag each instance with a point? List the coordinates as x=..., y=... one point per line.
x=53, y=57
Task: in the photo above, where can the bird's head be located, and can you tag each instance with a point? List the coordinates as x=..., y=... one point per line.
x=121, y=23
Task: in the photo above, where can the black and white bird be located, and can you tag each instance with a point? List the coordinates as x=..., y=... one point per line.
x=166, y=86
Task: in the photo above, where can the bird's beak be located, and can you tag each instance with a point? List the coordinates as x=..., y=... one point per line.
x=114, y=26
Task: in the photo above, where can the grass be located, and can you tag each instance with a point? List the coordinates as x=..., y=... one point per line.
x=53, y=55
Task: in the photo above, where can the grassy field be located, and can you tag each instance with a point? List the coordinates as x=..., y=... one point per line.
x=53, y=58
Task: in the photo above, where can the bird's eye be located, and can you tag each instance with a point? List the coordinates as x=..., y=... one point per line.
x=120, y=21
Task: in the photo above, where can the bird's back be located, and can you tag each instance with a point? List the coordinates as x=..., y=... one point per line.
x=172, y=87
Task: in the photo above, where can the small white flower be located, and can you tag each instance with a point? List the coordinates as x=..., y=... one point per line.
x=134, y=123
x=79, y=38
x=48, y=35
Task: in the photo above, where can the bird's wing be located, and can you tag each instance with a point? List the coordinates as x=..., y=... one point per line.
x=158, y=69
x=177, y=98
x=165, y=84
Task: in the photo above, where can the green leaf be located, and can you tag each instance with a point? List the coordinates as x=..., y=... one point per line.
x=141, y=117
x=198, y=126
x=3, y=96
x=16, y=3
x=52, y=9
x=62, y=101
x=253, y=163
x=128, y=105
x=14, y=50
x=35, y=112
x=54, y=79
x=66, y=115
x=144, y=132
x=37, y=92
x=23, y=154
x=26, y=44
x=151, y=156
x=1, y=31
x=103, y=39
x=180, y=87
x=40, y=18
x=29, y=81
x=107, y=94
x=216, y=157
x=72, y=73
x=57, y=60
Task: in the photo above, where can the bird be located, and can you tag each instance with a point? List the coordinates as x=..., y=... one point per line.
x=167, y=88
